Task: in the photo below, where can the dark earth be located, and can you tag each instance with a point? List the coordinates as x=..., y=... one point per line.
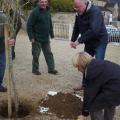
x=63, y=105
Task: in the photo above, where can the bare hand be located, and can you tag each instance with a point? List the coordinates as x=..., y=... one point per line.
x=81, y=117
x=11, y=42
x=76, y=43
x=72, y=44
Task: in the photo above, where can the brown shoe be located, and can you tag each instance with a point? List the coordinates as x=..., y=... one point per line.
x=36, y=72
x=3, y=89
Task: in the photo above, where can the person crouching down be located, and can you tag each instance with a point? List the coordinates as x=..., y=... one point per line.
x=102, y=86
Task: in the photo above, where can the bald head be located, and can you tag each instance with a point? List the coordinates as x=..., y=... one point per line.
x=80, y=1
x=80, y=6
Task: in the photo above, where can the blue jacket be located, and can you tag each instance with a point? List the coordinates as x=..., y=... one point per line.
x=2, y=45
x=102, y=86
x=91, y=27
x=2, y=21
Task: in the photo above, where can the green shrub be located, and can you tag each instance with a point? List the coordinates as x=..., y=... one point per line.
x=61, y=5
x=55, y=5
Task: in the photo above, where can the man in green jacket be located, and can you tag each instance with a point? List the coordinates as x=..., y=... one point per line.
x=39, y=28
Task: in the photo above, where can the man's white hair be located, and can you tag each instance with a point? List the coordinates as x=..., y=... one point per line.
x=85, y=1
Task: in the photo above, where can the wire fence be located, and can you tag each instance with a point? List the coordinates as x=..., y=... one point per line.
x=114, y=35
x=63, y=31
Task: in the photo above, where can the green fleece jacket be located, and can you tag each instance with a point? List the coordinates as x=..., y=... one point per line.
x=39, y=25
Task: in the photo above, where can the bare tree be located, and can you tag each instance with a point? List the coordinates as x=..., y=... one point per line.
x=11, y=10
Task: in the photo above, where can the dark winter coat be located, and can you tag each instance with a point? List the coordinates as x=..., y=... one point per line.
x=102, y=86
x=17, y=27
x=2, y=21
x=91, y=27
x=39, y=25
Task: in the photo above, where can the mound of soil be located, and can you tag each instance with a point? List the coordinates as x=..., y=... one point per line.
x=63, y=105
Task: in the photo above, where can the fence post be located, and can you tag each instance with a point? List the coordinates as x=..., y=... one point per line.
x=70, y=31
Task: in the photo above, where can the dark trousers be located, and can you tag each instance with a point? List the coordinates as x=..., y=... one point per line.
x=106, y=114
x=98, y=52
x=36, y=50
x=13, y=52
x=2, y=66
x=13, y=49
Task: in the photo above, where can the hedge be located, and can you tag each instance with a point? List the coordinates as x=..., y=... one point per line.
x=55, y=5
x=61, y=5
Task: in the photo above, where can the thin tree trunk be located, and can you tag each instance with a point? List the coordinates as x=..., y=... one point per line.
x=8, y=72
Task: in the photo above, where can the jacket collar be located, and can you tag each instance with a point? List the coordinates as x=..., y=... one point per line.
x=41, y=9
x=88, y=7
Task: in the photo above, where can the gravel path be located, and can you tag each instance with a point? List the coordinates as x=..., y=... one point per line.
x=32, y=87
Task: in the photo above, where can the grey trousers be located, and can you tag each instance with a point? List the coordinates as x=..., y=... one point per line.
x=105, y=114
x=36, y=50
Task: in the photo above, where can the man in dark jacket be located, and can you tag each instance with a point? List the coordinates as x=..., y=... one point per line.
x=102, y=86
x=89, y=23
x=2, y=51
x=39, y=27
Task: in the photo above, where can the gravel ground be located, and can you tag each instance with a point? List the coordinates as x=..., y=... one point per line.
x=34, y=88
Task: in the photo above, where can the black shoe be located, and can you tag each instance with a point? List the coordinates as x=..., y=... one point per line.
x=36, y=72
x=81, y=88
x=3, y=89
x=53, y=72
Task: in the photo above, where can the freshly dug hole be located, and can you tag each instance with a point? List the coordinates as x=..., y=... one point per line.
x=24, y=109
